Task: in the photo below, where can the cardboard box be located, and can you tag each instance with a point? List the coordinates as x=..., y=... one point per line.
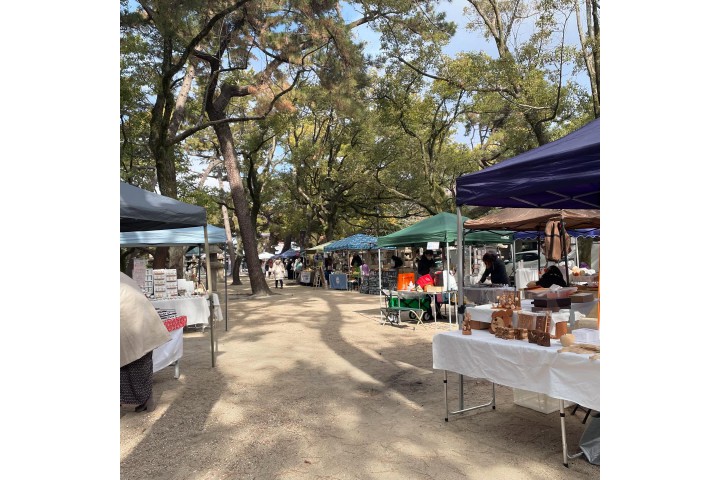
x=552, y=302
x=544, y=309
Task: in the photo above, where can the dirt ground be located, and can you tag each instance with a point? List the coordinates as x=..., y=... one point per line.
x=309, y=385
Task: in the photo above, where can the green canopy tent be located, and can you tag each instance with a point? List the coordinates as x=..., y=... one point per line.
x=440, y=228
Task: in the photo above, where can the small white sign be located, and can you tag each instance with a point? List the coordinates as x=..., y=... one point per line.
x=433, y=245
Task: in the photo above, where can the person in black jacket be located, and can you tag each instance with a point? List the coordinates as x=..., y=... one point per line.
x=397, y=261
x=495, y=269
x=425, y=263
x=356, y=261
x=552, y=276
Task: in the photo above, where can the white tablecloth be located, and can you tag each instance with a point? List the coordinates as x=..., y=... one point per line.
x=520, y=364
x=525, y=275
x=168, y=352
x=483, y=295
x=196, y=309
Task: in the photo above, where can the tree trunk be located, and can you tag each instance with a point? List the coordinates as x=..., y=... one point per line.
x=258, y=284
x=228, y=236
x=160, y=257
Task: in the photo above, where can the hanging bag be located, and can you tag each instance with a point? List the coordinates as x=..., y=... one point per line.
x=555, y=238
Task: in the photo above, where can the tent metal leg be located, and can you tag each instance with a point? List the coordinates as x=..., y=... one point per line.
x=564, y=436
x=461, y=402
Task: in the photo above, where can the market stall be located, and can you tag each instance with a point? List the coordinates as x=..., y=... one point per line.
x=183, y=237
x=564, y=174
x=355, y=243
x=526, y=222
x=312, y=264
x=440, y=229
x=141, y=210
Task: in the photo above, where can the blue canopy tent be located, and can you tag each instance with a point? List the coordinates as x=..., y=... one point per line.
x=172, y=237
x=289, y=254
x=577, y=233
x=141, y=210
x=359, y=241
x=560, y=174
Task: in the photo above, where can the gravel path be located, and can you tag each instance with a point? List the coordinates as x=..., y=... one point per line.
x=309, y=385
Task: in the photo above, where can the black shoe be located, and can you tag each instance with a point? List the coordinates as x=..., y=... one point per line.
x=148, y=406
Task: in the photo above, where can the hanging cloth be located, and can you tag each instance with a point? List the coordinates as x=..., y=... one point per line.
x=555, y=236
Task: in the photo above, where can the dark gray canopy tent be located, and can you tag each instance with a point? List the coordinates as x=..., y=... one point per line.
x=141, y=210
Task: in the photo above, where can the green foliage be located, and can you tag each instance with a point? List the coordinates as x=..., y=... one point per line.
x=359, y=142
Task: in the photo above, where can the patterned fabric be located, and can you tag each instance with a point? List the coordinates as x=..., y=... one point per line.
x=175, y=323
x=136, y=380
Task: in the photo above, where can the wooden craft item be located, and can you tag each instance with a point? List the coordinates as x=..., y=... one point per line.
x=521, y=333
x=466, y=327
x=543, y=322
x=526, y=321
x=500, y=318
x=543, y=339
x=474, y=324
x=508, y=334
x=477, y=325
x=560, y=329
x=532, y=336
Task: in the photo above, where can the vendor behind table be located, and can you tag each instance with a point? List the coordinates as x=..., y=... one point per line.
x=495, y=269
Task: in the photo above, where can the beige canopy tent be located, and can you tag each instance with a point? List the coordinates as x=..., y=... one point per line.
x=535, y=219
x=522, y=219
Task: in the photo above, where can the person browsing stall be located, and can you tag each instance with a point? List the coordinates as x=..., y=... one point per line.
x=495, y=269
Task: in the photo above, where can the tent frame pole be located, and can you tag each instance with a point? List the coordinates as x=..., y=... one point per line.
x=564, y=249
x=225, y=264
x=210, y=298
x=461, y=260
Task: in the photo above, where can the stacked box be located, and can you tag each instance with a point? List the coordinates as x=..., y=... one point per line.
x=142, y=275
x=552, y=302
x=148, y=285
x=159, y=283
x=171, y=285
